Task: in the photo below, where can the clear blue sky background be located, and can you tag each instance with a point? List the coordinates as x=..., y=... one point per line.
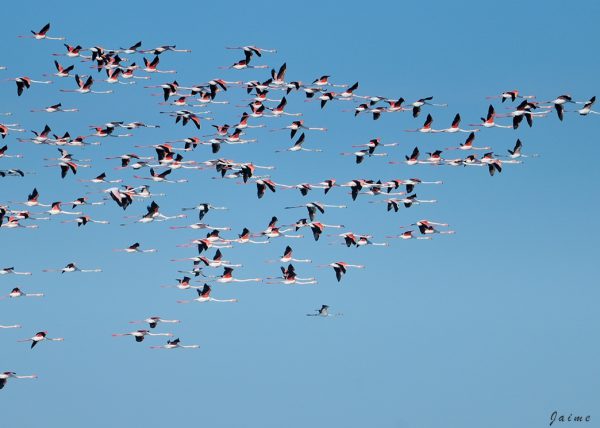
x=495, y=326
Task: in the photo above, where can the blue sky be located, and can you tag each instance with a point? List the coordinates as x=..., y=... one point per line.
x=494, y=326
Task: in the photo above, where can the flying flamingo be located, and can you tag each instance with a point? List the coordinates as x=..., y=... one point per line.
x=409, y=235
x=182, y=284
x=71, y=267
x=244, y=238
x=298, y=146
x=4, y=376
x=156, y=177
x=511, y=95
x=139, y=335
x=40, y=336
x=56, y=209
x=12, y=271
x=153, y=321
x=488, y=121
x=5, y=128
x=323, y=312
x=42, y=34
x=227, y=277
x=341, y=268
x=135, y=248
x=468, y=144
x=417, y=105
x=165, y=48
x=10, y=326
x=426, y=128
x=204, y=296
x=153, y=214
x=83, y=220
x=297, y=125
x=55, y=108
x=25, y=82
x=151, y=66
x=85, y=87
x=351, y=239
x=455, y=127
x=72, y=51
x=313, y=207
x=316, y=227
x=287, y=257
x=427, y=227
x=587, y=108
x=173, y=344
x=559, y=103
x=3, y=154
x=524, y=110
x=289, y=277
x=17, y=292
x=409, y=201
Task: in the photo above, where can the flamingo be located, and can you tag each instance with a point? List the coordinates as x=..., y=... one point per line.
x=455, y=127
x=151, y=66
x=156, y=177
x=32, y=199
x=298, y=146
x=42, y=34
x=426, y=128
x=71, y=267
x=559, y=103
x=40, y=336
x=587, y=108
x=287, y=257
x=253, y=49
x=488, y=121
x=83, y=220
x=17, y=292
x=297, y=125
x=323, y=312
x=12, y=271
x=468, y=144
x=289, y=277
x=227, y=277
x=244, y=238
x=340, y=268
x=5, y=128
x=139, y=335
x=25, y=82
x=164, y=48
x=408, y=202
x=72, y=51
x=417, y=105
x=172, y=344
x=427, y=227
x=85, y=87
x=55, y=108
x=182, y=284
x=153, y=321
x=409, y=235
x=12, y=173
x=153, y=214
x=351, y=239
x=56, y=209
x=516, y=151
x=313, y=207
x=316, y=227
x=512, y=95
x=204, y=296
x=4, y=376
x=135, y=248
x=3, y=154
x=524, y=110
x=101, y=179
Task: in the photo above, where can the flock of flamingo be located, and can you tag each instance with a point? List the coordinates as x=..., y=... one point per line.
x=177, y=161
